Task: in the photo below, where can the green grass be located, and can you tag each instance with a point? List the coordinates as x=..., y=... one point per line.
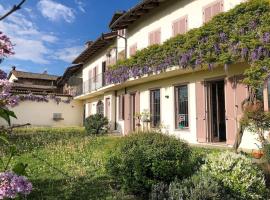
x=66, y=163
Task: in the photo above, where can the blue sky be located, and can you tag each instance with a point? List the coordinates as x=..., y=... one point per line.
x=48, y=34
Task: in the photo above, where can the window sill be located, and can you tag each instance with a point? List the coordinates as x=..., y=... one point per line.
x=182, y=129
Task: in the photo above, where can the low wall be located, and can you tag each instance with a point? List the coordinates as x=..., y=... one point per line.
x=42, y=113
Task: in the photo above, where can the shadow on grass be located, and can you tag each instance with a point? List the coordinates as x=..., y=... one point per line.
x=80, y=188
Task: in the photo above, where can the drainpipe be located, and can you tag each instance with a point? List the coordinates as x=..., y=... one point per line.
x=115, y=110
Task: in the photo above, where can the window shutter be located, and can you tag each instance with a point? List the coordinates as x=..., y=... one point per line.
x=133, y=49
x=217, y=8
x=180, y=26
x=150, y=39
x=212, y=10
x=157, y=37
x=207, y=14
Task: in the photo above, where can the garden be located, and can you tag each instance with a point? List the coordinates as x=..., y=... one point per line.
x=86, y=163
x=70, y=163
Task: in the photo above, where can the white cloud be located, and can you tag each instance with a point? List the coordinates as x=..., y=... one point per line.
x=56, y=11
x=80, y=5
x=31, y=44
x=68, y=54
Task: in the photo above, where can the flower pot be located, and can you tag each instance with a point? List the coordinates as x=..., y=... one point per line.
x=257, y=154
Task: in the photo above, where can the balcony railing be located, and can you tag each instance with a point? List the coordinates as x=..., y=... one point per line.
x=93, y=84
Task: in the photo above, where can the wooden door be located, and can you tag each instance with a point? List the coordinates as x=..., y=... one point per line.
x=201, y=112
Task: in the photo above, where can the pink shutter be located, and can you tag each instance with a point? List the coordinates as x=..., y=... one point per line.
x=127, y=122
x=183, y=26
x=157, y=37
x=137, y=106
x=217, y=8
x=207, y=14
x=180, y=26
x=89, y=82
x=150, y=39
x=201, y=114
x=241, y=94
x=133, y=49
x=235, y=94
x=231, y=125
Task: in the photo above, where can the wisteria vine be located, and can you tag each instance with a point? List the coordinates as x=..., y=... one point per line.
x=240, y=35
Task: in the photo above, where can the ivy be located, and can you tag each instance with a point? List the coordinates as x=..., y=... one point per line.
x=240, y=35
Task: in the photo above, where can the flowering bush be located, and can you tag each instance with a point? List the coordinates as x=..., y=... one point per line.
x=12, y=185
x=197, y=187
x=6, y=47
x=238, y=174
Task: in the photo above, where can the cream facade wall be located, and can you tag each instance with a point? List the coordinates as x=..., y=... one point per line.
x=41, y=113
x=165, y=15
x=96, y=61
x=137, y=33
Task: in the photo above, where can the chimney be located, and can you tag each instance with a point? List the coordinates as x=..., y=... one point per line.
x=88, y=43
x=13, y=68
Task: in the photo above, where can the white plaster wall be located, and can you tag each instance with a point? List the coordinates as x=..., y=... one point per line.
x=163, y=17
x=94, y=61
x=41, y=113
x=12, y=78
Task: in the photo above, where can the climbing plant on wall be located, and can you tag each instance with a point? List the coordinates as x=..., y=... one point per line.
x=240, y=35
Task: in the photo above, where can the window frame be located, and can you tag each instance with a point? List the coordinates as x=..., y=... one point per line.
x=176, y=109
x=151, y=108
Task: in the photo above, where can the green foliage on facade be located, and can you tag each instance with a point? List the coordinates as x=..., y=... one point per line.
x=240, y=35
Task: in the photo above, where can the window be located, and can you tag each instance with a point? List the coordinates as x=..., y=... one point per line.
x=95, y=74
x=122, y=32
x=211, y=10
x=121, y=107
x=181, y=104
x=121, y=55
x=155, y=107
x=180, y=26
x=133, y=49
x=154, y=37
x=100, y=108
x=108, y=108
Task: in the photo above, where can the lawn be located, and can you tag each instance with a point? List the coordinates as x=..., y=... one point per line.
x=66, y=163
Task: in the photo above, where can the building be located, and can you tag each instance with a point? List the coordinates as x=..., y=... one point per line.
x=46, y=100
x=198, y=106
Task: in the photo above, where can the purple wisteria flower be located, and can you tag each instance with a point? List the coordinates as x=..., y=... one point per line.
x=265, y=38
x=12, y=185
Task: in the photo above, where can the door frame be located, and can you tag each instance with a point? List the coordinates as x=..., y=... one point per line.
x=209, y=117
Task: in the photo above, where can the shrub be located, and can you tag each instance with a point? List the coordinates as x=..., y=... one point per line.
x=160, y=191
x=266, y=150
x=242, y=178
x=199, y=186
x=142, y=160
x=96, y=124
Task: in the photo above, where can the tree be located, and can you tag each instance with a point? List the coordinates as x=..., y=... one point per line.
x=12, y=10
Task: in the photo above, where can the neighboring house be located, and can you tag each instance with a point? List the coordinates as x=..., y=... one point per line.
x=199, y=107
x=45, y=100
